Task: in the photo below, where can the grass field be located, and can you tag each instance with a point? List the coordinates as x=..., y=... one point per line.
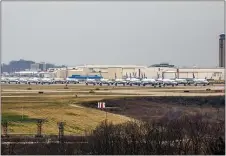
x=22, y=107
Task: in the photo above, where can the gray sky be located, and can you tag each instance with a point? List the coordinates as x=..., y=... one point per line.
x=142, y=33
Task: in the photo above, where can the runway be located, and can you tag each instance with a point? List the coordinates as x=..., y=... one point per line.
x=84, y=91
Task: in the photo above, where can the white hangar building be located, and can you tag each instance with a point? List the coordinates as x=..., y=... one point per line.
x=120, y=71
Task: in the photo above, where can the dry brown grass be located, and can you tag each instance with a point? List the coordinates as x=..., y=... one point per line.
x=56, y=106
x=55, y=109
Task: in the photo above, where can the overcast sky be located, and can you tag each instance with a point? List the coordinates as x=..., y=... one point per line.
x=142, y=33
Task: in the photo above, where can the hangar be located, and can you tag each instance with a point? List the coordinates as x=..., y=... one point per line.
x=120, y=71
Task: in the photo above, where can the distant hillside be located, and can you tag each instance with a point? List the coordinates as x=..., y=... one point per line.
x=21, y=65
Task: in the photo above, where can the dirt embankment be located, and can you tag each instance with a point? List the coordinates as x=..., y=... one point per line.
x=146, y=108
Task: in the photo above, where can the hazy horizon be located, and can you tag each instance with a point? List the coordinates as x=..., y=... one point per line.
x=140, y=33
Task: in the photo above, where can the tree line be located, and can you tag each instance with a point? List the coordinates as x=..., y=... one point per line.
x=187, y=135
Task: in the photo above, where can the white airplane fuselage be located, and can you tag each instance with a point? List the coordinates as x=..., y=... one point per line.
x=4, y=80
x=200, y=81
x=34, y=80
x=167, y=82
x=120, y=81
x=72, y=80
x=146, y=81
x=181, y=81
x=46, y=81
x=13, y=80
x=91, y=81
x=105, y=81
x=134, y=81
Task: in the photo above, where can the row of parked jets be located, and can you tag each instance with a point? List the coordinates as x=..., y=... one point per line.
x=127, y=81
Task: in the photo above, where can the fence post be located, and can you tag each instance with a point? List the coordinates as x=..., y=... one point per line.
x=61, y=131
x=61, y=137
x=5, y=128
x=39, y=128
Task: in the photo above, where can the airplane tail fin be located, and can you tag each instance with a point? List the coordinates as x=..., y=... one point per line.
x=162, y=75
x=177, y=73
x=115, y=76
x=193, y=75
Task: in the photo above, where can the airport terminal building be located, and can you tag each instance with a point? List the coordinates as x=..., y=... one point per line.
x=122, y=71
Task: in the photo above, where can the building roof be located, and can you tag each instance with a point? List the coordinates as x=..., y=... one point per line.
x=111, y=66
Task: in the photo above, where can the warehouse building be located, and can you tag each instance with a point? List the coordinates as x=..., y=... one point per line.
x=121, y=71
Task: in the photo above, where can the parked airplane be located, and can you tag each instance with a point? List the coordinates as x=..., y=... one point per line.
x=34, y=80
x=91, y=81
x=4, y=80
x=59, y=80
x=166, y=82
x=46, y=81
x=119, y=81
x=105, y=81
x=134, y=81
x=13, y=80
x=196, y=81
x=23, y=80
x=181, y=81
x=72, y=80
x=204, y=82
x=146, y=81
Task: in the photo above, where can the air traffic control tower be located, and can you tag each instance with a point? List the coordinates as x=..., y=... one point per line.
x=222, y=51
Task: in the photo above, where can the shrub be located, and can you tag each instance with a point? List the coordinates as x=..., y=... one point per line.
x=184, y=135
x=91, y=91
x=66, y=87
